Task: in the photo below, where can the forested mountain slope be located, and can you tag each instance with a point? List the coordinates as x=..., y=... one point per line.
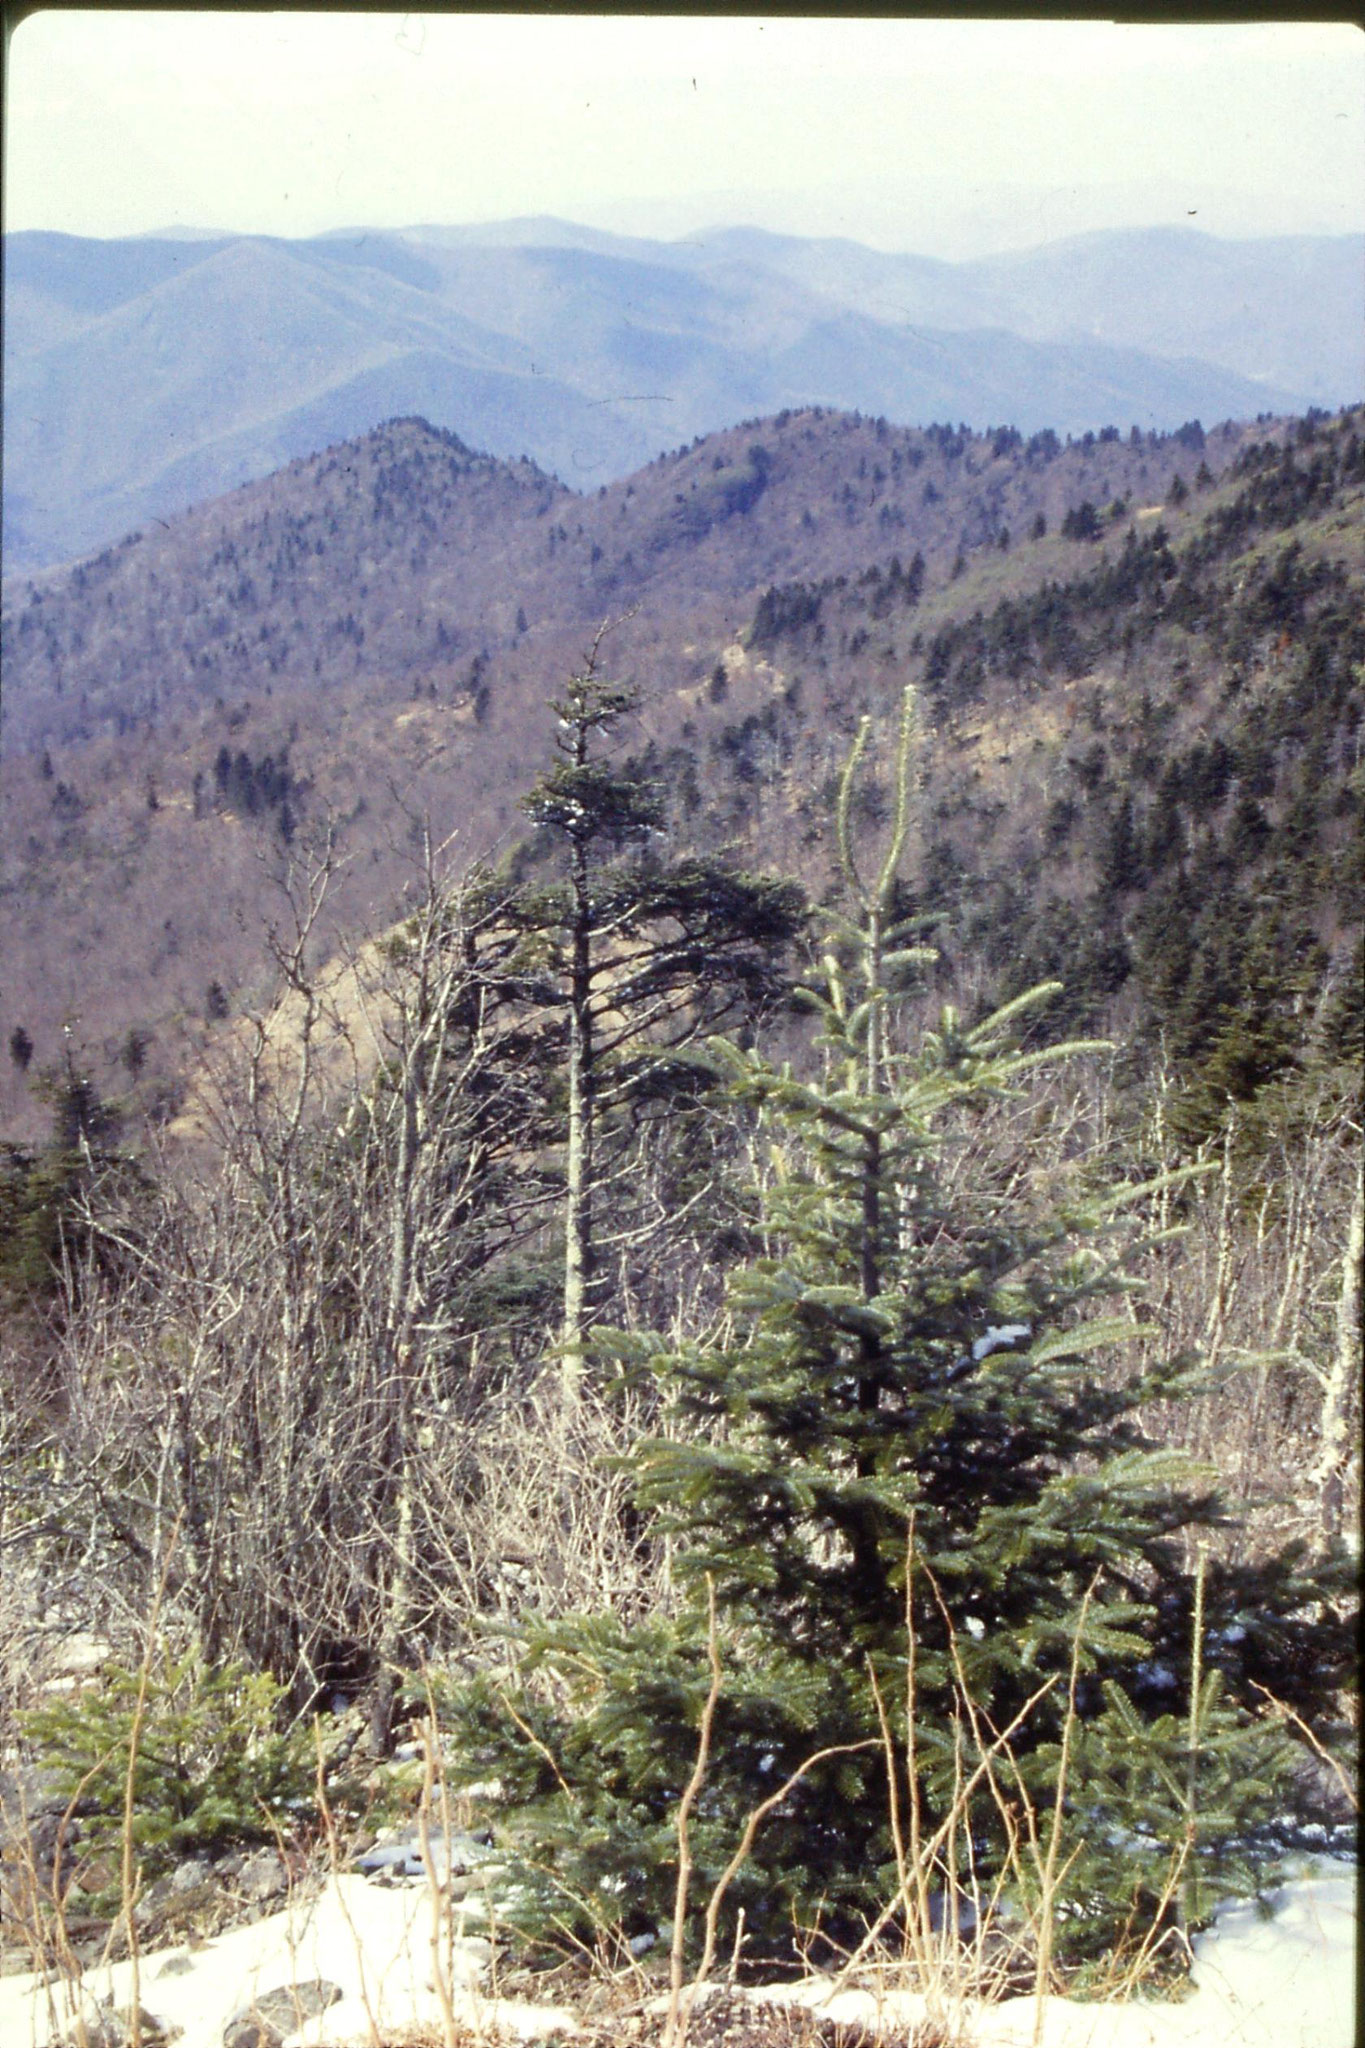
x=1146, y=779
x=1138, y=659
x=403, y=1285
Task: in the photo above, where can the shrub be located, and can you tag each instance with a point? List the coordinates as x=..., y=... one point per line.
x=212, y=1765
x=908, y=1423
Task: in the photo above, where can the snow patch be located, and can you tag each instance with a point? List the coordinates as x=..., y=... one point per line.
x=1282, y=1979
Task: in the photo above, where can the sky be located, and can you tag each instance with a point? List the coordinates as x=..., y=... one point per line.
x=946, y=137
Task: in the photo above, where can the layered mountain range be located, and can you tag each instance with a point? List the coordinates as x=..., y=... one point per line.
x=1138, y=657
x=145, y=375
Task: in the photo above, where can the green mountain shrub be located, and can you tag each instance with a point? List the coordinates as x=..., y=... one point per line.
x=213, y=1766
x=906, y=1425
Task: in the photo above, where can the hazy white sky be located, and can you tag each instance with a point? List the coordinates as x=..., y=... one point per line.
x=950, y=137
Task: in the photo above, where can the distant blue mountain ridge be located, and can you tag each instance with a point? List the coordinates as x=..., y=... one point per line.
x=145, y=374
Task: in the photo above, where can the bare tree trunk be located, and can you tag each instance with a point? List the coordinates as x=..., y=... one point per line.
x=1343, y=1381
x=393, y=1570
x=578, y=1244
x=394, y=1364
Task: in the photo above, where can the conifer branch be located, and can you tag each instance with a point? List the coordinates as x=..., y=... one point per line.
x=906, y=753
x=842, y=808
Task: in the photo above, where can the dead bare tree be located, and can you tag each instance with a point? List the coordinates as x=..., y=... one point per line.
x=293, y=1327
x=313, y=1336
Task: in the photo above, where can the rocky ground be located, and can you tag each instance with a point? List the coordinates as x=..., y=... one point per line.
x=398, y=1951
x=391, y=1939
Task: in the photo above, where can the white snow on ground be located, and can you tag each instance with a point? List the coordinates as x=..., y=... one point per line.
x=373, y=1943
x=1282, y=1981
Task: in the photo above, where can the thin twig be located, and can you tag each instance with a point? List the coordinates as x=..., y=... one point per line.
x=1283, y=1711
x=1049, y=1869
x=675, y=2026
x=740, y=1857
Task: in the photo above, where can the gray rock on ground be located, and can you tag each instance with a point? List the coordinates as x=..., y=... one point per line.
x=109, y=2029
x=272, y=2016
x=456, y=1856
x=32, y=1808
x=263, y=1876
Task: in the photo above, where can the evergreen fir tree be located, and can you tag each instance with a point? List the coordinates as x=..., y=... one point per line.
x=645, y=954
x=908, y=1422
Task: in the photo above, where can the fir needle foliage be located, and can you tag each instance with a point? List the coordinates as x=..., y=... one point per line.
x=644, y=952
x=199, y=1753
x=922, y=1349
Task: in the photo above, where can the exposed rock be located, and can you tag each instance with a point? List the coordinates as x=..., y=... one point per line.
x=273, y=2015
x=29, y=1790
x=31, y=1815
x=195, y=1870
x=454, y=1856
x=194, y=1905
x=106, y=2028
x=480, y=1880
x=263, y=1876
x=78, y=1655
x=392, y=1857
x=190, y=1885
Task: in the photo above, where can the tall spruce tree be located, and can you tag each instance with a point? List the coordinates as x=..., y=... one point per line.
x=908, y=1425
x=647, y=954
